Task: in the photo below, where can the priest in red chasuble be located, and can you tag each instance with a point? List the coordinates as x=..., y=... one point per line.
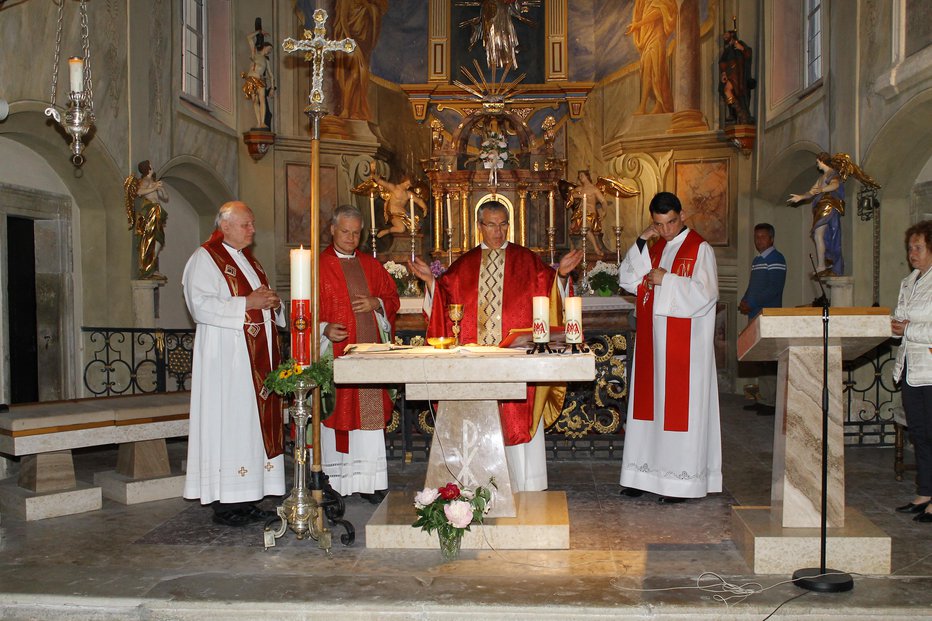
x=673, y=444
x=495, y=283
x=358, y=303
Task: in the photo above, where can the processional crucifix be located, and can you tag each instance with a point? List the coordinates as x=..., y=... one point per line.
x=299, y=512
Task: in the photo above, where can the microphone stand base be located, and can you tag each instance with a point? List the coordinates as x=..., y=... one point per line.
x=823, y=580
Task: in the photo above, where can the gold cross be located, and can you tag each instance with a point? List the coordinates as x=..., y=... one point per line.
x=316, y=47
x=269, y=467
x=242, y=471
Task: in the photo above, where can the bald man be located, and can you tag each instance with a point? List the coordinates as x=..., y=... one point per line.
x=235, y=442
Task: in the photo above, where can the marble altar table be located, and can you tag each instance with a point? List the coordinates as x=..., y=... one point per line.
x=468, y=445
x=785, y=536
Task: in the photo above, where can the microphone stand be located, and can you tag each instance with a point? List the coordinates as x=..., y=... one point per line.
x=819, y=578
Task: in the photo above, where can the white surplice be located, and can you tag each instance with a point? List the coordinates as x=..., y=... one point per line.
x=226, y=456
x=685, y=464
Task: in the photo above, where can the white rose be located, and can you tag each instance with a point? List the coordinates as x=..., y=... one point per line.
x=425, y=497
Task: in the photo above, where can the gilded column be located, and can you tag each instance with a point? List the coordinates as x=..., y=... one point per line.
x=464, y=220
x=438, y=222
x=522, y=215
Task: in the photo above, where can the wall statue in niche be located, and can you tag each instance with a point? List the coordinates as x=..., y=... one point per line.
x=651, y=25
x=360, y=20
x=495, y=28
x=703, y=189
x=735, y=81
x=144, y=198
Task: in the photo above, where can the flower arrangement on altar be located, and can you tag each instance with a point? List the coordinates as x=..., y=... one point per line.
x=493, y=152
x=603, y=278
x=450, y=511
x=406, y=285
x=284, y=380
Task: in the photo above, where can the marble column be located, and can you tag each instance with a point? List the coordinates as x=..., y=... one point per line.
x=146, y=302
x=686, y=82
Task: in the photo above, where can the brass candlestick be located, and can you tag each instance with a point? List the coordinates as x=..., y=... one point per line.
x=373, y=232
x=413, y=242
x=449, y=246
x=455, y=312
x=551, y=238
x=584, y=287
x=617, y=230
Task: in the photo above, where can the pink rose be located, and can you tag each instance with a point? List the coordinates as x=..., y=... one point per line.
x=459, y=513
x=425, y=497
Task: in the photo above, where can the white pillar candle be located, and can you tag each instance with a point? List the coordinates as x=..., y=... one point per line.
x=449, y=212
x=617, y=216
x=541, y=318
x=76, y=71
x=300, y=274
x=372, y=210
x=573, y=311
x=584, y=223
x=412, y=213
x=551, y=208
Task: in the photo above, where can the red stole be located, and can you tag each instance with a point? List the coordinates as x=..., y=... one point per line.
x=336, y=307
x=677, y=355
x=525, y=276
x=257, y=344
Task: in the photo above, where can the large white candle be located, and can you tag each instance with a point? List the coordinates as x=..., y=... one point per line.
x=372, y=210
x=412, y=213
x=617, y=216
x=551, y=209
x=541, y=318
x=300, y=274
x=584, y=222
x=76, y=71
x=449, y=216
x=573, y=311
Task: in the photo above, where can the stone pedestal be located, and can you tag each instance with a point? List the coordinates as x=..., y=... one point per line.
x=793, y=336
x=840, y=290
x=142, y=475
x=27, y=505
x=400, y=249
x=146, y=301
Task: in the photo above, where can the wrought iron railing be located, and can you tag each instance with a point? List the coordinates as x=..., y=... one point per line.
x=871, y=398
x=130, y=361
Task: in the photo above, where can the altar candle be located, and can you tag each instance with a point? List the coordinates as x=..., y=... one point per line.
x=300, y=274
x=573, y=311
x=541, y=318
x=412, y=214
x=372, y=210
x=449, y=216
x=76, y=71
x=617, y=216
x=584, y=222
x=551, y=208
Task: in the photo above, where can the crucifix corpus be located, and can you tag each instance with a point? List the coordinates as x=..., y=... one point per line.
x=303, y=514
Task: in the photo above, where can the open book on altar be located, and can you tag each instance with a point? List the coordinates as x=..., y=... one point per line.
x=523, y=338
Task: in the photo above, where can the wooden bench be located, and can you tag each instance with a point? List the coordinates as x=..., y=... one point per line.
x=44, y=434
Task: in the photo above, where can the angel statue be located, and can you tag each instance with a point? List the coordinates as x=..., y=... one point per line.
x=828, y=206
x=398, y=198
x=495, y=27
x=144, y=198
x=575, y=195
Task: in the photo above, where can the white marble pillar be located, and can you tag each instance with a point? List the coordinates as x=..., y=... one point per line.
x=686, y=82
x=840, y=290
x=146, y=302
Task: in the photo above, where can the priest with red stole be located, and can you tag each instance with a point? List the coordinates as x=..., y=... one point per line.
x=358, y=303
x=495, y=283
x=673, y=444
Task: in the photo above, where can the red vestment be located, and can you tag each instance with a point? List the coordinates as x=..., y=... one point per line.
x=336, y=307
x=525, y=277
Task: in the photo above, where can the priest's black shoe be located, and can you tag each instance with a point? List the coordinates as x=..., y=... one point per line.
x=630, y=492
x=911, y=508
x=235, y=518
x=375, y=497
x=670, y=500
x=255, y=514
x=925, y=517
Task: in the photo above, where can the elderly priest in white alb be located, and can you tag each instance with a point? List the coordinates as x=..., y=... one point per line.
x=673, y=441
x=235, y=443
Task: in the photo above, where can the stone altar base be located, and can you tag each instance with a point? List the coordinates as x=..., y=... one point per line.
x=129, y=491
x=31, y=506
x=769, y=548
x=542, y=523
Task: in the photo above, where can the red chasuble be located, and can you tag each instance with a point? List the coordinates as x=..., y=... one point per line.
x=336, y=307
x=679, y=329
x=270, y=408
x=525, y=276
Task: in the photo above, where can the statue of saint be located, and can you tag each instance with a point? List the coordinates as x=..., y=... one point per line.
x=398, y=197
x=735, y=81
x=650, y=27
x=360, y=20
x=495, y=28
x=827, y=197
x=595, y=209
x=259, y=81
x=144, y=198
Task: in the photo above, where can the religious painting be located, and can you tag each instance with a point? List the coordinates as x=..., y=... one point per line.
x=702, y=187
x=298, y=188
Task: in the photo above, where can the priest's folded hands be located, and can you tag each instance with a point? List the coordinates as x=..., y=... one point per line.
x=263, y=298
